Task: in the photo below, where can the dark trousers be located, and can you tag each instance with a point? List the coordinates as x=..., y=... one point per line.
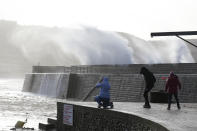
x=170, y=99
x=102, y=101
x=146, y=91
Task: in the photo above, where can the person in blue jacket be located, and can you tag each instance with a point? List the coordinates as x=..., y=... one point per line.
x=103, y=99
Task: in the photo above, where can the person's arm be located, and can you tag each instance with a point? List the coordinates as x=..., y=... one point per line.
x=101, y=80
x=154, y=79
x=166, y=88
x=98, y=85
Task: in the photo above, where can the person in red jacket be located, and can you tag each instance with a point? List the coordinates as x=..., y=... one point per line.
x=172, y=86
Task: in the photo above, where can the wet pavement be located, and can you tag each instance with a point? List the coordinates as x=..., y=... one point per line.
x=14, y=106
x=174, y=119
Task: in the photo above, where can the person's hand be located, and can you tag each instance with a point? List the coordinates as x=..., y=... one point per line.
x=101, y=80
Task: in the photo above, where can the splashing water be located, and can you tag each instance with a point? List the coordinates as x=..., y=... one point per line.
x=17, y=106
x=68, y=46
x=89, y=46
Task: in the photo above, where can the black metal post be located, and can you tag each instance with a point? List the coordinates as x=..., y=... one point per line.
x=177, y=34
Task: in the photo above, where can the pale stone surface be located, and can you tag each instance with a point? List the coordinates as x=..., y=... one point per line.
x=174, y=119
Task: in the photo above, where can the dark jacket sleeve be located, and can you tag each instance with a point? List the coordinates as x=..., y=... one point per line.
x=154, y=79
x=167, y=84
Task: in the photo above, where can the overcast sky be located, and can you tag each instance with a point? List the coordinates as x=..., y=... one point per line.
x=137, y=17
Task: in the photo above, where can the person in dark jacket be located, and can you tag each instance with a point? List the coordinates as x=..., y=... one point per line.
x=149, y=84
x=172, y=86
x=104, y=94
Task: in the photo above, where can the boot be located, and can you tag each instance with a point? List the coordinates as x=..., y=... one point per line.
x=178, y=106
x=99, y=106
x=111, y=105
x=147, y=106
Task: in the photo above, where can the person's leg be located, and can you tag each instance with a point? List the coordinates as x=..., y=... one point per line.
x=146, y=97
x=109, y=103
x=169, y=100
x=177, y=100
x=149, y=87
x=105, y=102
x=98, y=100
x=147, y=104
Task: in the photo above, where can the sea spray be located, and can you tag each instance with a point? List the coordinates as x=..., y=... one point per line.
x=86, y=46
x=173, y=50
x=72, y=46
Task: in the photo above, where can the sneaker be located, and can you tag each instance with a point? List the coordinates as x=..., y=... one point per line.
x=112, y=105
x=179, y=107
x=104, y=107
x=99, y=106
x=168, y=108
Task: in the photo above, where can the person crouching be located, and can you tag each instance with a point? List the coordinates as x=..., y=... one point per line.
x=103, y=99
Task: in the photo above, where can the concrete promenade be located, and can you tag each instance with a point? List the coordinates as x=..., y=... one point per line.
x=174, y=119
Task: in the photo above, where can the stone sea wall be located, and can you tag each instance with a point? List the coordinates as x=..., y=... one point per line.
x=124, y=87
x=81, y=118
x=178, y=68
